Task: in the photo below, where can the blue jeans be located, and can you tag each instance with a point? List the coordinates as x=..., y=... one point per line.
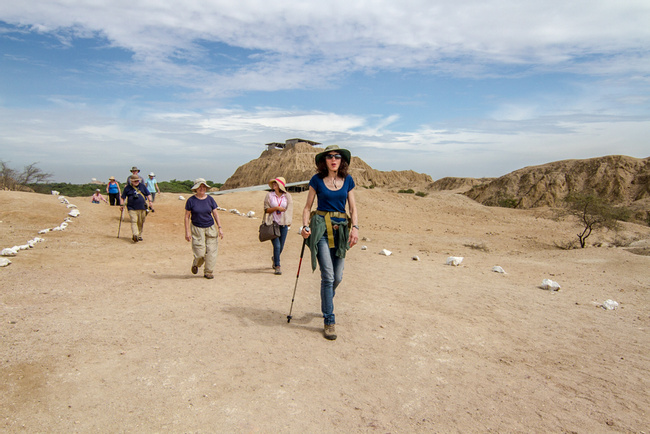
x=278, y=244
x=331, y=274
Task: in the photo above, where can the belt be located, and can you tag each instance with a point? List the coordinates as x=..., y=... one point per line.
x=328, y=224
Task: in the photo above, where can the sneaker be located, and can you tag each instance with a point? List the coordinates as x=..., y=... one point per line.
x=195, y=269
x=135, y=238
x=139, y=238
x=330, y=332
x=278, y=270
x=208, y=276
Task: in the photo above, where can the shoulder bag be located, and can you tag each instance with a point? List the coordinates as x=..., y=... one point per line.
x=269, y=232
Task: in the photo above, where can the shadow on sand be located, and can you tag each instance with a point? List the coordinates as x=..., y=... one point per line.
x=274, y=318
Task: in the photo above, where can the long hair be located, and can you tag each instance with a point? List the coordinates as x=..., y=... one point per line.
x=322, y=168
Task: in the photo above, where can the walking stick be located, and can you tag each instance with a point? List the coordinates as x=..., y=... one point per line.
x=304, y=242
x=120, y=227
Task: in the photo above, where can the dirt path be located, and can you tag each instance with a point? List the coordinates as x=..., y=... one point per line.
x=102, y=335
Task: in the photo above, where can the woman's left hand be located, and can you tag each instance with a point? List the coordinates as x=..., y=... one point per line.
x=220, y=233
x=354, y=236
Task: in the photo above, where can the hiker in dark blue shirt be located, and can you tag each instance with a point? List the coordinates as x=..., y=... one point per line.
x=137, y=198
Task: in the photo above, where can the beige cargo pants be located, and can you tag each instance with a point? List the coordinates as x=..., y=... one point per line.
x=137, y=217
x=205, y=244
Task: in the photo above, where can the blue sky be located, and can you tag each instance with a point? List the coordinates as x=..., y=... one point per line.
x=447, y=88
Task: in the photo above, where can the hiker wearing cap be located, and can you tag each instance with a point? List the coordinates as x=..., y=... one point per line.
x=134, y=171
x=138, y=201
x=152, y=186
x=97, y=197
x=329, y=231
x=113, y=191
x=278, y=208
x=202, y=227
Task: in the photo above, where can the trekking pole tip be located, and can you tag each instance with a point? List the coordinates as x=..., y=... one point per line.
x=289, y=318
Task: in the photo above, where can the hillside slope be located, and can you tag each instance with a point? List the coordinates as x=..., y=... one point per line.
x=619, y=179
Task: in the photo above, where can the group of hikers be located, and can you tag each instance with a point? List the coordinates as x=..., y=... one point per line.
x=329, y=231
x=138, y=195
x=115, y=192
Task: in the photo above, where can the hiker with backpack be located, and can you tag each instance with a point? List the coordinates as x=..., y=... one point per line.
x=138, y=203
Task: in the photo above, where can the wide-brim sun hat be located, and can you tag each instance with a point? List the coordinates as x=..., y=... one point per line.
x=152, y=174
x=112, y=178
x=135, y=169
x=282, y=184
x=347, y=156
x=98, y=189
x=198, y=182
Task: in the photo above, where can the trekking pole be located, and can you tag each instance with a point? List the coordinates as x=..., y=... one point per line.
x=304, y=242
x=120, y=227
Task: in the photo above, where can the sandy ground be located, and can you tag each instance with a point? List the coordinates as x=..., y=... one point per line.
x=102, y=335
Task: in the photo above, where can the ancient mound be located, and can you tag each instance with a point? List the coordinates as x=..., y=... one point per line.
x=296, y=163
x=619, y=179
x=456, y=184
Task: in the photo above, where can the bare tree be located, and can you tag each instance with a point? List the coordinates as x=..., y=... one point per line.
x=10, y=179
x=593, y=212
x=7, y=176
x=33, y=175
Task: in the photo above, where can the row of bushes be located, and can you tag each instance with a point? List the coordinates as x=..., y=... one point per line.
x=76, y=190
x=411, y=191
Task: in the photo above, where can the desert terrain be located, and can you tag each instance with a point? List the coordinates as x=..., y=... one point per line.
x=98, y=334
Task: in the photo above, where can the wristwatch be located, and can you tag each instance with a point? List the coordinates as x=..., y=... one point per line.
x=356, y=227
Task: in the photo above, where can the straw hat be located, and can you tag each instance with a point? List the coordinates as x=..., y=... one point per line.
x=282, y=184
x=112, y=178
x=198, y=182
x=344, y=153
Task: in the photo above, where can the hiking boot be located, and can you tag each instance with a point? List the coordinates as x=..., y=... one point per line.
x=139, y=238
x=135, y=238
x=195, y=269
x=278, y=270
x=330, y=332
x=208, y=276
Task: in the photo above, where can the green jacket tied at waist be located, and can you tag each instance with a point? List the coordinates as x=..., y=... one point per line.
x=318, y=229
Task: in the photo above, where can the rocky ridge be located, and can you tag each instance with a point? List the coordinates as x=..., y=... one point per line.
x=619, y=179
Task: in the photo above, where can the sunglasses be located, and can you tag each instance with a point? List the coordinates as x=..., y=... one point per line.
x=335, y=156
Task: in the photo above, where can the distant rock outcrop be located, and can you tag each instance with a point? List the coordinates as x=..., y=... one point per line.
x=619, y=179
x=459, y=185
x=296, y=163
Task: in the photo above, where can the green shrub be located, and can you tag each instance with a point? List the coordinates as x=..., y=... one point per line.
x=66, y=189
x=508, y=202
x=76, y=190
x=420, y=194
x=409, y=191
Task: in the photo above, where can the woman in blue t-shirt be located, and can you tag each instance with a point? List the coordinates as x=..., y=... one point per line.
x=327, y=231
x=113, y=190
x=200, y=217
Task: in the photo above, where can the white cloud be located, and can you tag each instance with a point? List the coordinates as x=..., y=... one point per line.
x=81, y=144
x=222, y=49
x=296, y=41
